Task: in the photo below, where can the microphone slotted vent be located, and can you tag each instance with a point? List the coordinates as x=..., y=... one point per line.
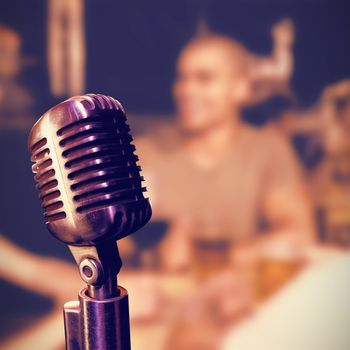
x=99, y=159
x=46, y=181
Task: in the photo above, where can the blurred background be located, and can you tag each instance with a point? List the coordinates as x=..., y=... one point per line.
x=251, y=210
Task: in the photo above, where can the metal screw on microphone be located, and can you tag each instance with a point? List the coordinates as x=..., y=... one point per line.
x=91, y=191
x=91, y=271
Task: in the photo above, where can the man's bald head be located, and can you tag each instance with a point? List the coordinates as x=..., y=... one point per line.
x=234, y=53
x=212, y=81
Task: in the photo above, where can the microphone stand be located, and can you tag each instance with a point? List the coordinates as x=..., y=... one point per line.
x=99, y=320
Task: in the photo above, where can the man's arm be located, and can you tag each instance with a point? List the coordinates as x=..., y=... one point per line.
x=45, y=334
x=285, y=207
x=271, y=74
x=175, y=248
x=278, y=66
x=289, y=213
x=47, y=276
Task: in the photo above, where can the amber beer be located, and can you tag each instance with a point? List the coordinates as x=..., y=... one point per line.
x=274, y=269
x=210, y=255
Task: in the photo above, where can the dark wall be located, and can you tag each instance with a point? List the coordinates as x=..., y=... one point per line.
x=132, y=45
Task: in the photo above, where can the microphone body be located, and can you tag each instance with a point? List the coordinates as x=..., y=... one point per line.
x=91, y=191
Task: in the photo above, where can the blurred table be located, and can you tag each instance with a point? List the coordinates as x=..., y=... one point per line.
x=311, y=312
x=156, y=299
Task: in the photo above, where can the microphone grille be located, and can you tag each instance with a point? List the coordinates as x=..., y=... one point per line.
x=86, y=170
x=99, y=158
x=47, y=184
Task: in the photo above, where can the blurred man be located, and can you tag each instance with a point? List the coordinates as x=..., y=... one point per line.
x=215, y=178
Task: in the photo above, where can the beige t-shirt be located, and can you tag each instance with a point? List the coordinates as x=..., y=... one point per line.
x=228, y=196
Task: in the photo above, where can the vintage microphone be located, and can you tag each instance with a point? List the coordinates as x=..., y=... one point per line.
x=91, y=191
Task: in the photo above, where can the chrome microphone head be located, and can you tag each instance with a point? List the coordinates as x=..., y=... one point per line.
x=86, y=171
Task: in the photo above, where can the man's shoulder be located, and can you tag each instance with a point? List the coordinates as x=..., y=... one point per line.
x=275, y=153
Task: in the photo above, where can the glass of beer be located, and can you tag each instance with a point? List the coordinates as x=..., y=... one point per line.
x=276, y=266
x=210, y=250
